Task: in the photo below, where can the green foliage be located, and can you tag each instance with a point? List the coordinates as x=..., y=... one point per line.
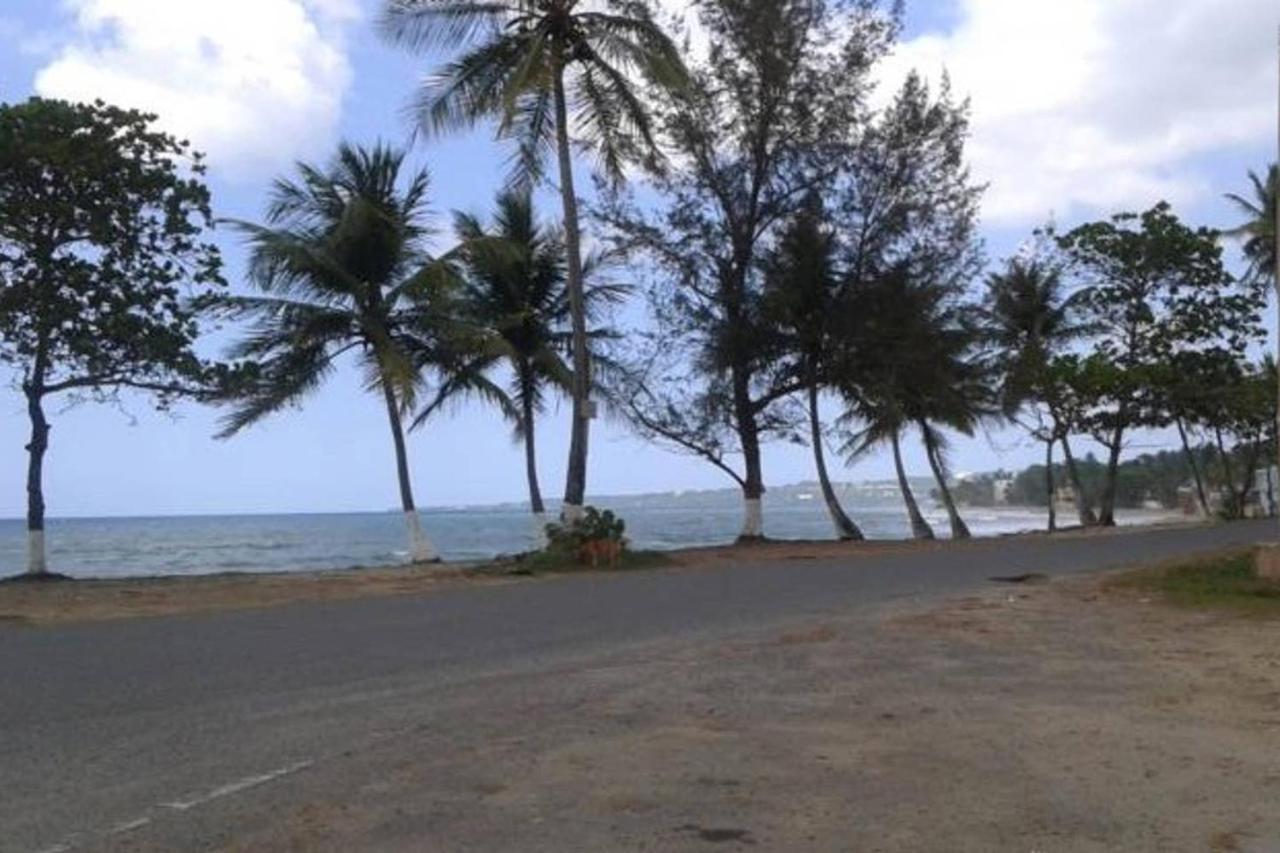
x=1258, y=232
x=102, y=226
x=1150, y=289
x=343, y=267
x=595, y=537
x=518, y=58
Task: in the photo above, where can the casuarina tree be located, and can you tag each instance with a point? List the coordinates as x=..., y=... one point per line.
x=551, y=73
x=102, y=250
x=767, y=119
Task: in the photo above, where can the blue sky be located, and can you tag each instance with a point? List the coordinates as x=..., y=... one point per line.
x=1080, y=109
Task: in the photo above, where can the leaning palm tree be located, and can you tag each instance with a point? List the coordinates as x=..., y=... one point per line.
x=515, y=290
x=802, y=302
x=1030, y=320
x=543, y=69
x=882, y=421
x=342, y=267
x=881, y=357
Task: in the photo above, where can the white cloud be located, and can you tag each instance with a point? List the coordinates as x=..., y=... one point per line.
x=254, y=83
x=1091, y=105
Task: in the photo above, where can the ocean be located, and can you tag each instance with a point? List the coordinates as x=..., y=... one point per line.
x=194, y=545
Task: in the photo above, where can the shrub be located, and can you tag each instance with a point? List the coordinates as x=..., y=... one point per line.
x=596, y=538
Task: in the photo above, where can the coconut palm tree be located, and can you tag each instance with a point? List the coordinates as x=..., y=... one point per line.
x=1258, y=233
x=878, y=362
x=1030, y=320
x=515, y=290
x=802, y=296
x=343, y=268
x=545, y=69
x=913, y=366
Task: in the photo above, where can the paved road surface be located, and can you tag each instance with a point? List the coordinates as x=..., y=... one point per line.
x=180, y=725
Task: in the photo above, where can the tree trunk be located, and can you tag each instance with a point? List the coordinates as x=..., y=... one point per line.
x=1236, y=507
x=576, y=480
x=420, y=548
x=1050, y=486
x=959, y=530
x=920, y=528
x=36, y=561
x=846, y=530
x=1083, y=510
x=536, y=505
x=531, y=457
x=1194, y=466
x=1271, y=490
x=749, y=436
x=1107, y=515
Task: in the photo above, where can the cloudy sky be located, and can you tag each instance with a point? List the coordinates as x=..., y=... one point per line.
x=1079, y=109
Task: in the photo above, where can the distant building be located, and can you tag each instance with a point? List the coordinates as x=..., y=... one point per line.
x=1001, y=488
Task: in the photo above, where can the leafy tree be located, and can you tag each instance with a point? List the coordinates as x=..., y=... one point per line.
x=1244, y=431
x=515, y=290
x=1032, y=322
x=543, y=70
x=1148, y=285
x=343, y=267
x=102, y=224
x=802, y=292
x=768, y=118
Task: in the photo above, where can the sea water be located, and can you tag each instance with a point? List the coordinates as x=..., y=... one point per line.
x=189, y=545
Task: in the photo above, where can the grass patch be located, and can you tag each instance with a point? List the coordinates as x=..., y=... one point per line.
x=1223, y=581
x=545, y=562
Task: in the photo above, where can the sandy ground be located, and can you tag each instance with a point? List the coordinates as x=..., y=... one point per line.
x=98, y=600
x=1054, y=717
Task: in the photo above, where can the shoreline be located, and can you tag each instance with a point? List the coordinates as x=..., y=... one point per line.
x=35, y=604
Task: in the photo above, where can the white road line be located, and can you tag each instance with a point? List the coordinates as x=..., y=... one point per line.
x=235, y=787
x=122, y=828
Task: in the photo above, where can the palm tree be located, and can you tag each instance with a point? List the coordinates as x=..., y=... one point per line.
x=1260, y=235
x=515, y=290
x=342, y=267
x=1030, y=321
x=802, y=295
x=882, y=422
x=913, y=366
x=878, y=360
x=530, y=64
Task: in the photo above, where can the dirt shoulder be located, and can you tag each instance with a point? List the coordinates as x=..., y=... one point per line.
x=1060, y=717
x=98, y=600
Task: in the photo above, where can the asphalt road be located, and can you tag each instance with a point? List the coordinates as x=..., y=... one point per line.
x=115, y=729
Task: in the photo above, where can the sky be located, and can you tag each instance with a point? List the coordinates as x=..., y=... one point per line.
x=1080, y=109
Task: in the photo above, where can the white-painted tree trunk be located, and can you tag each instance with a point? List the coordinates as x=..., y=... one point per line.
x=539, y=537
x=36, y=563
x=569, y=513
x=420, y=548
x=752, y=518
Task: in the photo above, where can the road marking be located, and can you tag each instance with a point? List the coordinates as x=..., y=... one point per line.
x=236, y=787
x=122, y=828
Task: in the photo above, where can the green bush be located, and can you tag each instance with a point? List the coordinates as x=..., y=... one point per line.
x=595, y=538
